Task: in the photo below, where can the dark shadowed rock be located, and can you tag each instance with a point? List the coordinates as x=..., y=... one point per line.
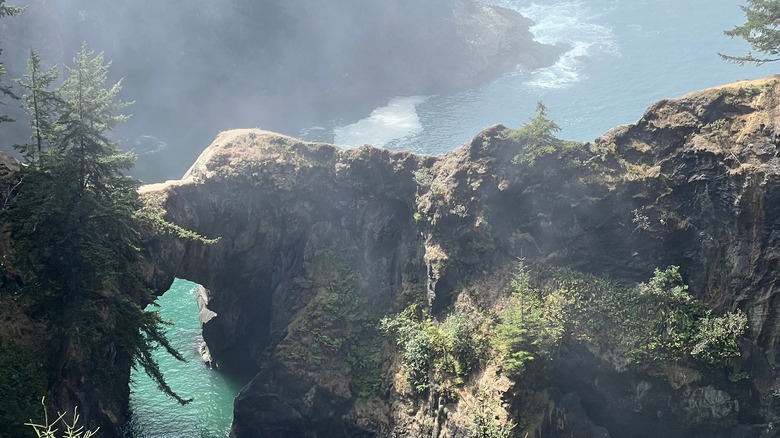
x=317, y=243
x=693, y=183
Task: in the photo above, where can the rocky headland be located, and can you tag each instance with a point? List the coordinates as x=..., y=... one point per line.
x=318, y=244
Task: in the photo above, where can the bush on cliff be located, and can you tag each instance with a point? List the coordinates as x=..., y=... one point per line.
x=657, y=321
x=438, y=353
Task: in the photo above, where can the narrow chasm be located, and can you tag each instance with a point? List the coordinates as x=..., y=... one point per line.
x=209, y=414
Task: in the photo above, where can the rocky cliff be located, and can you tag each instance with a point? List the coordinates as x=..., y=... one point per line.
x=317, y=244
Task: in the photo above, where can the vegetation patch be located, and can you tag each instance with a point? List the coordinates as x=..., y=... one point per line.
x=537, y=139
x=339, y=322
x=22, y=380
x=653, y=323
x=438, y=353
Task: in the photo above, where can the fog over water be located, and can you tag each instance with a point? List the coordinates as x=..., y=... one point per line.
x=197, y=67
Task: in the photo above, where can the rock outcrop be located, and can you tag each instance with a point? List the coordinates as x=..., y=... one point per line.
x=308, y=230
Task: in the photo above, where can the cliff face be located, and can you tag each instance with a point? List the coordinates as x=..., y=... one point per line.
x=301, y=59
x=317, y=243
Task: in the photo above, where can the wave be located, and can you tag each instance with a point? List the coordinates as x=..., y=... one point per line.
x=574, y=23
x=396, y=120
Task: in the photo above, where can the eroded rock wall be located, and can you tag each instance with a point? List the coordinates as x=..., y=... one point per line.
x=276, y=203
x=692, y=183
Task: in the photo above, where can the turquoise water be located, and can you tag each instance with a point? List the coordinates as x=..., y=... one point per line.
x=625, y=55
x=155, y=415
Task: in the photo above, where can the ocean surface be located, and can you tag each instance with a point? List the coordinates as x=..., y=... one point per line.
x=625, y=55
x=154, y=414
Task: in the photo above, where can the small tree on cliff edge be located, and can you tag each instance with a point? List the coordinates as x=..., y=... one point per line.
x=76, y=231
x=761, y=31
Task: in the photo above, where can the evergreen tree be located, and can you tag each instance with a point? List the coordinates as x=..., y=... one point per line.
x=42, y=105
x=761, y=30
x=76, y=227
x=538, y=139
x=6, y=90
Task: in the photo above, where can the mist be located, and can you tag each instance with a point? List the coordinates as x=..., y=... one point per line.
x=195, y=68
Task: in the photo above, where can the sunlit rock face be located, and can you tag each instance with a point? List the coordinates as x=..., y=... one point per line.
x=693, y=183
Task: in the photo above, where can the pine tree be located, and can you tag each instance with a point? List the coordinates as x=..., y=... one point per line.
x=42, y=105
x=76, y=228
x=6, y=90
x=761, y=31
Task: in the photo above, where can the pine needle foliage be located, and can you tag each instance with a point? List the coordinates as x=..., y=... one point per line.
x=6, y=90
x=761, y=30
x=76, y=227
x=537, y=139
x=41, y=103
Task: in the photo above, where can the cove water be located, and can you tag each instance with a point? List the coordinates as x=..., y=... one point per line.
x=625, y=55
x=154, y=414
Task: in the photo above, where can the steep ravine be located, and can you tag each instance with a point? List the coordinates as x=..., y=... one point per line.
x=316, y=243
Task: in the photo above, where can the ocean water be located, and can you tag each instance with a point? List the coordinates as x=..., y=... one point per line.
x=625, y=55
x=154, y=414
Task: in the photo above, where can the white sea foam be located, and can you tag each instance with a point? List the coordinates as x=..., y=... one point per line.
x=396, y=120
x=564, y=73
x=569, y=22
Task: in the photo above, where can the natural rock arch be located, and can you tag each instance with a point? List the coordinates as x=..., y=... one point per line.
x=273, y=202
x=278, y=203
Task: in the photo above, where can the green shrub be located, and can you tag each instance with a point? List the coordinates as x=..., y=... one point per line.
x=435, y=352
x=738, y=376
x=716, y=341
